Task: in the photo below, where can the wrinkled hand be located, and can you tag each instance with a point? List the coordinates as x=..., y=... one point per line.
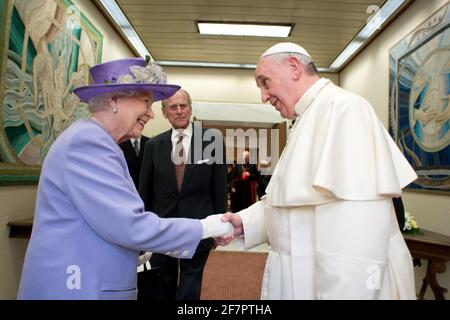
x=236, y=221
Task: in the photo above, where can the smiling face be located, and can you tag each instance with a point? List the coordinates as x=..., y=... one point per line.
x=178, y=110
x=275, y=80
x=134, y=111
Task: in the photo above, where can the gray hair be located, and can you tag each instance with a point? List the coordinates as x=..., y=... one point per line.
x=305, y=60
x=164, y=102
x=101, y=101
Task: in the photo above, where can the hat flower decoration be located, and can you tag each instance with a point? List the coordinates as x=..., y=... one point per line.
x=151, y=73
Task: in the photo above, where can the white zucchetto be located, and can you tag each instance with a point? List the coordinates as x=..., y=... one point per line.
x=285, y=47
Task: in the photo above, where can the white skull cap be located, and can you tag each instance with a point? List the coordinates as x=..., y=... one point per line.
x=285, y=47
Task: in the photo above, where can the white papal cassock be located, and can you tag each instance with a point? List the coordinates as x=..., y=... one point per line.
x=328, y=213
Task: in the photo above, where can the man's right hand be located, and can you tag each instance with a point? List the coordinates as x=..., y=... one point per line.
x=236, y=221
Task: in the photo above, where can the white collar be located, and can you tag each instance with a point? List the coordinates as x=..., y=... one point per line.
x=309, y=95
x=134, y=139
x=187, y=132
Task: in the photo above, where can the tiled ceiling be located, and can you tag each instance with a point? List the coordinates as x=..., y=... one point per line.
x=168, y=27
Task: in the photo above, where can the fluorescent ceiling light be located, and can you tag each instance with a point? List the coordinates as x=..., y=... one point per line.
x=119, y=17
x=235, y=29
x=217, y=65
x=206, y=64
x=375, y=22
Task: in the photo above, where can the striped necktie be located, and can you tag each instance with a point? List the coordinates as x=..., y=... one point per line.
x=179, y=161
x=136, y=147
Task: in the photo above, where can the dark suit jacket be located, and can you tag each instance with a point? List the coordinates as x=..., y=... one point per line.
x=399, y=212
x=202, y=193
x=133, y=161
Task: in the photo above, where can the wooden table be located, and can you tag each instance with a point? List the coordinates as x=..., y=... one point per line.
x=20, y=228
x=431, y=246
x=435, y=248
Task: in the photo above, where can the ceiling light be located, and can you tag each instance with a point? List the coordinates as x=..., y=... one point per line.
x=236, y=29
x=206, y=64
x=119, y=17
x=375, y=22
x=217, y=65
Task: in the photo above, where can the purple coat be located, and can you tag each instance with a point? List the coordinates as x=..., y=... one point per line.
x=90, y=224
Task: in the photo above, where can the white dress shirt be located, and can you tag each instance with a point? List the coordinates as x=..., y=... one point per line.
x=132, y=140
x=187, y=133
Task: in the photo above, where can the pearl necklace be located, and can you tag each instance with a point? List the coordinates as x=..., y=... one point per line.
x=103, y=126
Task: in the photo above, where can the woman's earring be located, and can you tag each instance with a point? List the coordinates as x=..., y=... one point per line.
x=114, y=109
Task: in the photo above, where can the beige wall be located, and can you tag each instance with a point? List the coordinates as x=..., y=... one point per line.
x=17, y=202
x=367, y=75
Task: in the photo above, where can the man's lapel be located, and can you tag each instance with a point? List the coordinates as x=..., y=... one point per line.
x=144, y=140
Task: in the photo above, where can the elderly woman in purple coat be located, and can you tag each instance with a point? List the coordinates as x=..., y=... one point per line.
x=90, y=223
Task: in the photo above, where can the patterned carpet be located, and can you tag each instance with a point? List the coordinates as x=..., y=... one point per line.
x=233, y=275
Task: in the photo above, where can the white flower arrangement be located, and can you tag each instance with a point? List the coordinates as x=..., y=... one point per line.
x=411, y=226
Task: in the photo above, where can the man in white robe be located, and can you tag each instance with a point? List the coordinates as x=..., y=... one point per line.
x=328, y=214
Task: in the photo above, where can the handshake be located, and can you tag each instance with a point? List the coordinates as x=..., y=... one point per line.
x=222, y=227
x=214, y=227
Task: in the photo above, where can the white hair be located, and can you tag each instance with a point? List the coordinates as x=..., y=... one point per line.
x=304, y=59
x=101, y=101
x=281, y=57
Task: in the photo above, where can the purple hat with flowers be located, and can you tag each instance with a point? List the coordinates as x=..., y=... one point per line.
x=131, y=74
